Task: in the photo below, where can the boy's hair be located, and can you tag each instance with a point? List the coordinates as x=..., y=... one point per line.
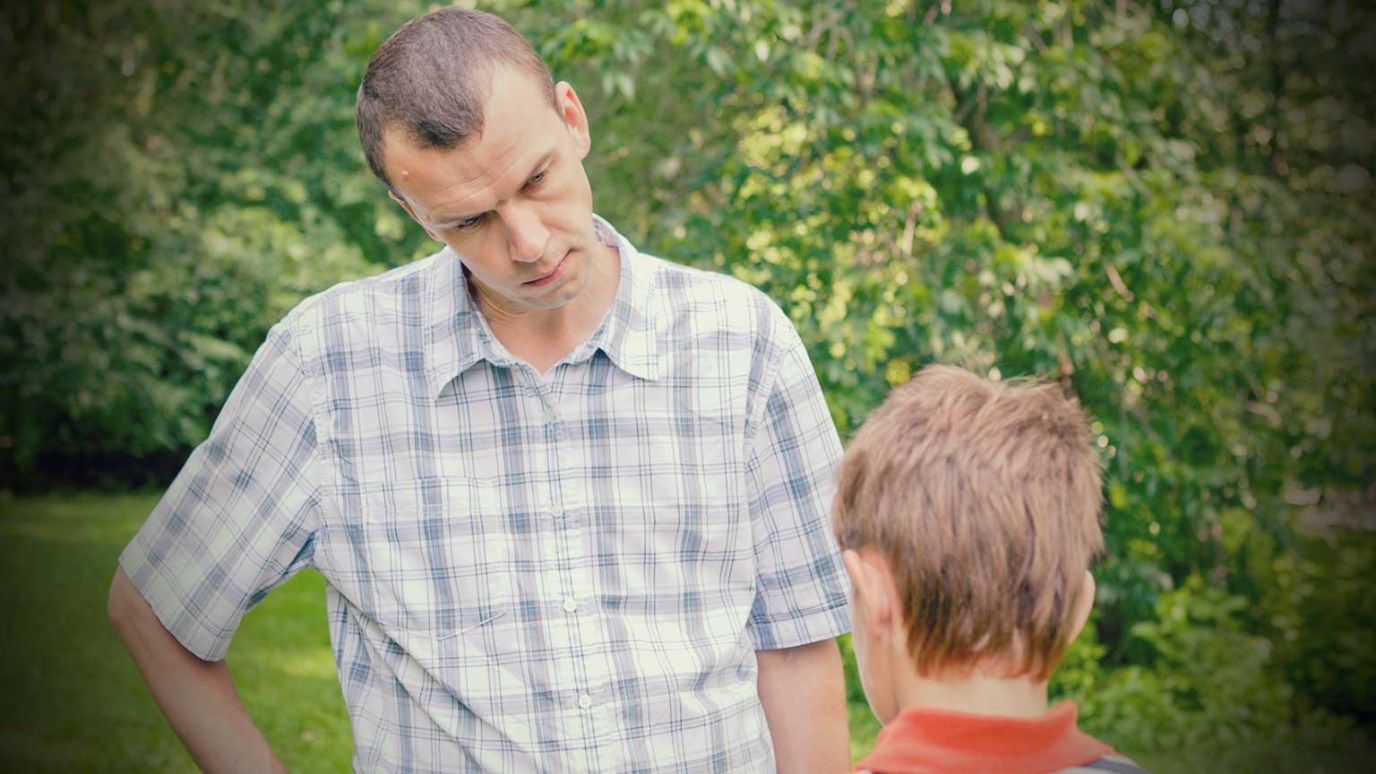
x=431, y=78
x=984, y=498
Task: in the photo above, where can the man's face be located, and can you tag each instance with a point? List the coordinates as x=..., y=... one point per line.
x=513, y=202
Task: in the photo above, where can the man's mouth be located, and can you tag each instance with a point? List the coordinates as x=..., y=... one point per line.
x=550, y=276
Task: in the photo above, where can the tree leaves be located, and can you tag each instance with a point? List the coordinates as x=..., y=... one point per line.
x=1164, y=205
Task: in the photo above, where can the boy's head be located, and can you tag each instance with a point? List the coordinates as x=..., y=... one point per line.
x=968, y=512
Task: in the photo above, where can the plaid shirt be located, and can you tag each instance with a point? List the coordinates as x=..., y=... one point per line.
x=561, y=573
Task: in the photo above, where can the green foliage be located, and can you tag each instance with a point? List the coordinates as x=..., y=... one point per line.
x=1163, y=204
x=166, y=206
x=1323, y=617
x=1210, y=682
x=1210, y=670
x=1211, y=678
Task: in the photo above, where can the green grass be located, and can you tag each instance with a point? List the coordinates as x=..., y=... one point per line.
x=75, y=702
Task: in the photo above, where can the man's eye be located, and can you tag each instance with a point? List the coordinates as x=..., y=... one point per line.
x=468, y=224
x=537, y=178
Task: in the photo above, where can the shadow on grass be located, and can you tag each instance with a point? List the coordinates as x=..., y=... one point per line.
x=75, y=701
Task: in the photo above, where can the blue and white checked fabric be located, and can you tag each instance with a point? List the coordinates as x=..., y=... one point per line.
x=561, y=573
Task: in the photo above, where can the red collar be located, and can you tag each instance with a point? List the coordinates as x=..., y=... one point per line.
x=929, y=740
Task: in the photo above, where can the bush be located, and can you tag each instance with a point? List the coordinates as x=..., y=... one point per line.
x=1210, y=683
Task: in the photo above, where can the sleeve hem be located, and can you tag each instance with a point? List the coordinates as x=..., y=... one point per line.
x=791, y=633
x=155, y=589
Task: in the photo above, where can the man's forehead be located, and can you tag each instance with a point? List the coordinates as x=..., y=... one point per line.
x=468, y=179
x=520, y=131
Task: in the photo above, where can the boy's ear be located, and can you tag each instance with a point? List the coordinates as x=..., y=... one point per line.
x=1085, y=605
x=873, y=589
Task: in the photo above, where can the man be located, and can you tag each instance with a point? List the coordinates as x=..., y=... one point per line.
x=570, y=500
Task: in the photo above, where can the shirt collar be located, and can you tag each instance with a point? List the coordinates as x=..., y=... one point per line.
x=939, y=740
x=457, y=335
x=627, y=334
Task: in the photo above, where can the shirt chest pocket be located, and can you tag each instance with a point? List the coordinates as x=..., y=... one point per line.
x=437, y=556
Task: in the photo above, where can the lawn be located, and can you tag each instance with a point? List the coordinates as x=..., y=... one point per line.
x=76, y=702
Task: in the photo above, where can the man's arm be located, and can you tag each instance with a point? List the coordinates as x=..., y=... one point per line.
x=198, y=697
x=803, y=690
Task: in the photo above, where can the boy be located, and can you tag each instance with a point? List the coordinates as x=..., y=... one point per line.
x=967, y=512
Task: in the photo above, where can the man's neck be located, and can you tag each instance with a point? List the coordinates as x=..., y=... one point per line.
x=976, y=693
x=543, y=337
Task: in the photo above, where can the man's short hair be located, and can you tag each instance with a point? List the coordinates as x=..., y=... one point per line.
x=431, y=77
x=984, y=497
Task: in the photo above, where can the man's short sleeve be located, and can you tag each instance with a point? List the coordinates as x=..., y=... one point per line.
x=240, y=517
x=801, y=588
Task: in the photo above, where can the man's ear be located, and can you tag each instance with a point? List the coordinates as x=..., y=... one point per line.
x=405, y=205
x=873, y=589
x=1084, y=606
x=574, y=117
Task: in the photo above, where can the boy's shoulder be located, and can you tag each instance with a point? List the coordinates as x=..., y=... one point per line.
x=935, y=740
x=1114, y=763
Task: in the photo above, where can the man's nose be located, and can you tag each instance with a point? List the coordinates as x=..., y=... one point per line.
x=526, y=234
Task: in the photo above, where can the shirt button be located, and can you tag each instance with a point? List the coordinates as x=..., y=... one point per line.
x=570, y=605
x=585, y=701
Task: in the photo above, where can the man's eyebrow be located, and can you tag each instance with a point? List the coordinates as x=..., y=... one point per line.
x=535, y=168
x=540, y=163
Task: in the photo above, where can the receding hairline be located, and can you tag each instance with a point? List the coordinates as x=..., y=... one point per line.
x=430, y=81
x=396, y=131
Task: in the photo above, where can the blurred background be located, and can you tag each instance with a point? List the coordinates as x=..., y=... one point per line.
x=1163, y=204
